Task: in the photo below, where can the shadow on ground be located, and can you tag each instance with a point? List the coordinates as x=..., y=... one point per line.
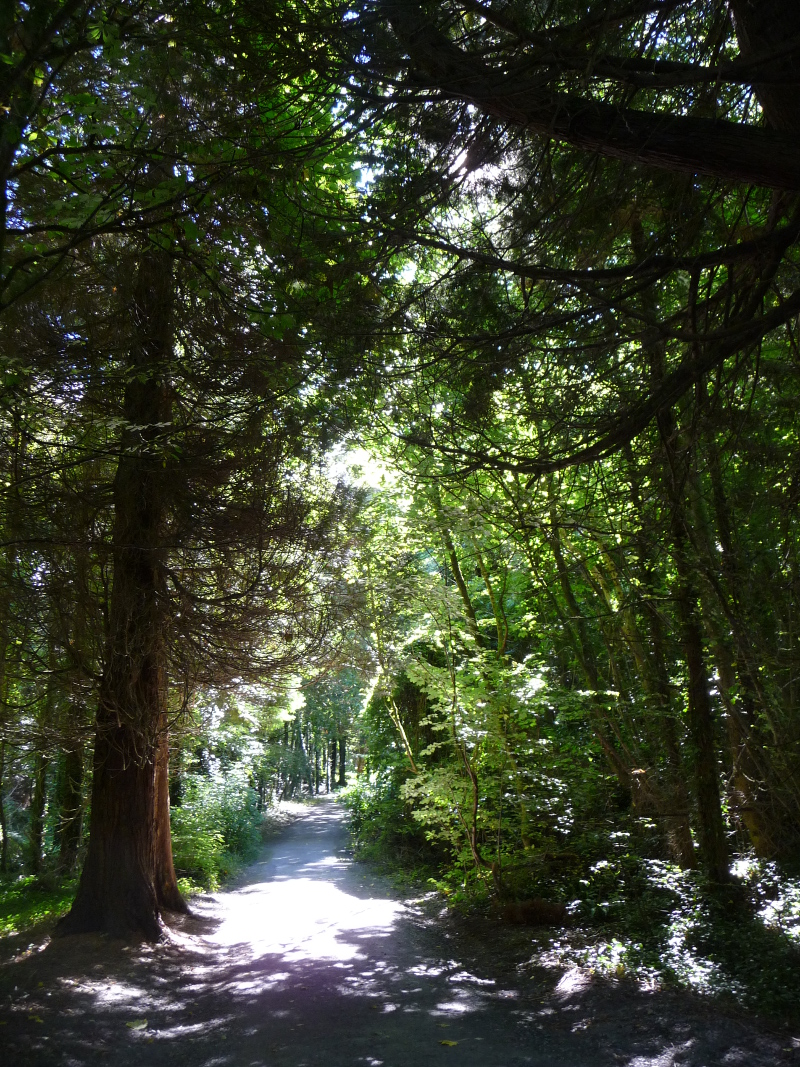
x=312, y=961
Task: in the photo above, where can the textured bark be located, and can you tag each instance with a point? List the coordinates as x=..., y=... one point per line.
x=711, y=828
x=721, y=594
x=676, y=460
x=644, y=634
x=41, y=762
x=117, y=891
x=668, y=793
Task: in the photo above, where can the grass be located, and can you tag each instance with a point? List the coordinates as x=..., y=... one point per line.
x=27, y=901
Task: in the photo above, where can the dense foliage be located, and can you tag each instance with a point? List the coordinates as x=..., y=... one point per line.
x=532, y=266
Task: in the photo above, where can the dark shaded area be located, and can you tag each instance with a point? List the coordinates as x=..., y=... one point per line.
x=311, y=960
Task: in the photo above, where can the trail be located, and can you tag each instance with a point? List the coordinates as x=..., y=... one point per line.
x=313, y=961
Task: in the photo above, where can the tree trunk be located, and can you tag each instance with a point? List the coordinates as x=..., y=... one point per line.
x=38, y=799
x=167, y=892
x=711, y=827
x=3, y=827
x=41, y=761
x=647, y=647
x=677, y=457
x=581, y=641
x=741, y=690
x=334, y=748
x=746, y=776
x=70, y=807
x=342, y=781
x=117, y=891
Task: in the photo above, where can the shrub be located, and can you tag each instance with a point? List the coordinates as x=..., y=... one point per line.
x=215, y=827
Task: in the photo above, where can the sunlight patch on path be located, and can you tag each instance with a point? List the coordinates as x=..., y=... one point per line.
x=303, y=919
x=306, y=907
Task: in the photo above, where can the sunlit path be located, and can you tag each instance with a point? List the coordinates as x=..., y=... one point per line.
x=312, y=961
x=303, y=905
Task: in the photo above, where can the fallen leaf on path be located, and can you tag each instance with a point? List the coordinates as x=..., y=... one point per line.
x=37, y=1018
x=450, y=1044
x=137, y=1024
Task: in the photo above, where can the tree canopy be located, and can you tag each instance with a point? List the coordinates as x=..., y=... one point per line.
x=537, y=261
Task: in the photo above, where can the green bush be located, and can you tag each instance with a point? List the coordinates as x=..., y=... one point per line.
x=216, y=826
x=383, y=827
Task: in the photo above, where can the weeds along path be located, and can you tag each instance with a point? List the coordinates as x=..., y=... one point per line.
x=313, y=961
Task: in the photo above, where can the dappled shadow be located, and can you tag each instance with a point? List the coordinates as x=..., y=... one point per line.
x=311, y=960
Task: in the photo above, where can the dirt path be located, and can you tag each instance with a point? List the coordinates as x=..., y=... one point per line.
x=312, y=961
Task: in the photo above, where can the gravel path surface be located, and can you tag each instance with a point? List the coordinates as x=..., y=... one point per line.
x=312, y=960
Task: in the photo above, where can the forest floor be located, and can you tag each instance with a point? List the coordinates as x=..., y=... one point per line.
x=312, y=959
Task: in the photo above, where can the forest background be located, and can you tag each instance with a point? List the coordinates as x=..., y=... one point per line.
x=401, y=398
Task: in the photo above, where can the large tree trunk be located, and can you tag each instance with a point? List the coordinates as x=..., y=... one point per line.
x=675, y=460
x=119, y=891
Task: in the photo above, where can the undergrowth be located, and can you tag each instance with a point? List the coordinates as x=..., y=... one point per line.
x=27, y=901
x=632, y=914
x=215, y=829
x=384, y=836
